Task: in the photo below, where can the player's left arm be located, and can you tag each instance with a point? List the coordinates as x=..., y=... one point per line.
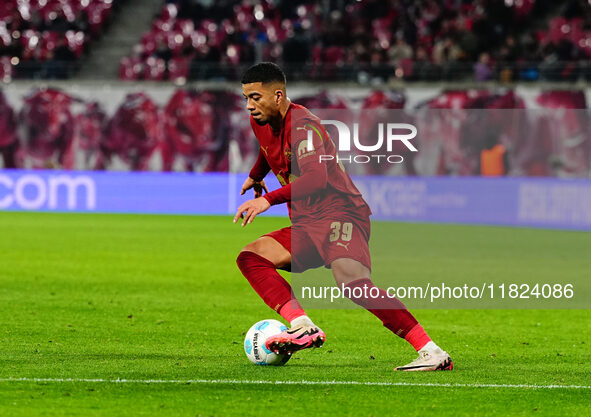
x=313, y=177
x=250, y=209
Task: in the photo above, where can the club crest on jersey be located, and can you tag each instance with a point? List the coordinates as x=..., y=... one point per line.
x=281, y=177
x=287, y=153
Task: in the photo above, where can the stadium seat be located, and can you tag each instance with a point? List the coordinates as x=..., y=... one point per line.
x=154, y=69
x=359, y=33
x=40, y=26
x=131, y=68
x=76, y=41
x=178, y=69
x=6, y=69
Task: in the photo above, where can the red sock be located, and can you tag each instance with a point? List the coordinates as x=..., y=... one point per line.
x=269, y=285
x=417, y=337
x=292, y=310
x=391, y=311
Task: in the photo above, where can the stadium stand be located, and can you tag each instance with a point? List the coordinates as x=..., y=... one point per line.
x=367, y=40
x=361, y=41
x=47, y=38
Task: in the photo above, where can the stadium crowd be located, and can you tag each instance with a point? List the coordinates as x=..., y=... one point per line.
x=47, y=38
x=355, y=40
x=368, y=40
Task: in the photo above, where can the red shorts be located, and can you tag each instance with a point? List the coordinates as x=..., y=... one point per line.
x=337, y=235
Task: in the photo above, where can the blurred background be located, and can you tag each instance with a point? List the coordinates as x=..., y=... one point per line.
x=364, y=41
x=497, y=88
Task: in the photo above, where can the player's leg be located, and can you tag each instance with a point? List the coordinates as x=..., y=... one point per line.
x=259, y=262
x=347, y=252
x=353, y=277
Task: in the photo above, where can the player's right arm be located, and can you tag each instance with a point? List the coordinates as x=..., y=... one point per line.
x=255, y=179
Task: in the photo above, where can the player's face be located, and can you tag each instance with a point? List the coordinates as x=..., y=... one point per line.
x=262, y=101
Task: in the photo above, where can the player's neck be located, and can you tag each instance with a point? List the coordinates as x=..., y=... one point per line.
x=277, y=123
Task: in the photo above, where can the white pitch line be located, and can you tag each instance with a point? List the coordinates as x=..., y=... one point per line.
x=263, y=382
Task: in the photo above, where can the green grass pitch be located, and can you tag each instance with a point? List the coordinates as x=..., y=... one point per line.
x=141, y=298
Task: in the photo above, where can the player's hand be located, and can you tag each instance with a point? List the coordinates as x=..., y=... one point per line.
x=258, y=186
x=250, y=209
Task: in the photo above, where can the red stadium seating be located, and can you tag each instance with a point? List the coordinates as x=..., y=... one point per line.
x=6, y=69
x=155, y=69
x=353, y=42
x=76, y=41
x=178, y=69
x=32, y=30
x=372, y=25
x=131, y=69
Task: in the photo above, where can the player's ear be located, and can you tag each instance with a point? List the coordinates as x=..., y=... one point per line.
x=279, y=95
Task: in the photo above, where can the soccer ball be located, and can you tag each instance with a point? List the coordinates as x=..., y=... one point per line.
x=254, y=343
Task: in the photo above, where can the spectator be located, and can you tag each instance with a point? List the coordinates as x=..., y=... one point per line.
x=61, y=61
x=494, y=161
x=399, y=51
x=454, y=35
x=445, y=51
x=482, y=69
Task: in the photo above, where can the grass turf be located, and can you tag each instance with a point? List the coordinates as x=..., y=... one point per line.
x=160, y=297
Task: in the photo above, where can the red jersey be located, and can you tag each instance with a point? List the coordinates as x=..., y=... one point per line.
x=299, y=169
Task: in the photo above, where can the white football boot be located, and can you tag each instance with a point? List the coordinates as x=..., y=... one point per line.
x=429, y=360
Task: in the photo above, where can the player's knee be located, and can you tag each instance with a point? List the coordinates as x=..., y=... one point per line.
x=344, y=279
x=252, y=253
x=269, y=250
x=251, y=247
x=242, y=259
x=245, y=257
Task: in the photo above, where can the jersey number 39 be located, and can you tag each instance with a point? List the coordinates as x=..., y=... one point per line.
x=342, y=231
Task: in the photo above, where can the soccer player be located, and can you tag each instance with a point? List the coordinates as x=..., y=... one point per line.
x=330, y=222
